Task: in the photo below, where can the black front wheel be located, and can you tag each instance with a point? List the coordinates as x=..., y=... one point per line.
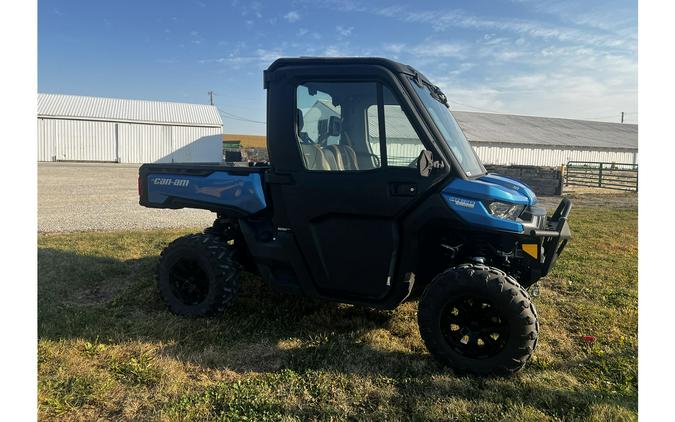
x=479, y=320
x=198, y=275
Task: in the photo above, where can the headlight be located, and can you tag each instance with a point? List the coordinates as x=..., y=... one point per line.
x=505, y=210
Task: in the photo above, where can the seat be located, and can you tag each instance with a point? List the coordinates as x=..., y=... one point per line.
x=348, y=156
x=334, y=157
x=311, y=152
x=326, y=157
x=314, y=157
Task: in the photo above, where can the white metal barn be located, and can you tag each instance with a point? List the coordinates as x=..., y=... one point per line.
x=507, y=139
x=77, y=128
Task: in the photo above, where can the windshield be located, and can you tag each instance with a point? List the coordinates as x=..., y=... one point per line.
x=450, y=130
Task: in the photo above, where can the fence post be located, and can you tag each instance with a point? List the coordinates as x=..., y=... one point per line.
x=567, y=173
x=600, y=176
x=636, y=181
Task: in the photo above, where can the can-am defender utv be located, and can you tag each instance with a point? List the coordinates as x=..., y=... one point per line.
x=371, y=189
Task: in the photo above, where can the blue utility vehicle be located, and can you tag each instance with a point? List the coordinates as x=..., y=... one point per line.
x=372, y=193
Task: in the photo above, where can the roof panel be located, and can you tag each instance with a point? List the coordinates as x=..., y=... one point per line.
x=116, y=109
x=547, y=131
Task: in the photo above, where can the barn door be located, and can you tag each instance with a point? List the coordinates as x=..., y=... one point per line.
x=80, y=140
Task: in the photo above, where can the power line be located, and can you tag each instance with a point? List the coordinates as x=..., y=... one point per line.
x=240, y=118
x=228, y=115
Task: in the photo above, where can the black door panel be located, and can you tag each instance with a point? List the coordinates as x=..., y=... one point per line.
x=354, y=253
x=346, y=226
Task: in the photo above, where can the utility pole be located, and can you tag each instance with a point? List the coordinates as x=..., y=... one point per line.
x=211, y=100
x=622, y=117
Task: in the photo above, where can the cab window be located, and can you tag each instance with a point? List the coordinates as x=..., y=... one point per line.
x=330, y=126
x=338, y=128
x=403, y=143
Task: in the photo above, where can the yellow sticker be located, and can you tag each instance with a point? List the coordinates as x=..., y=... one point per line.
x=531, y=249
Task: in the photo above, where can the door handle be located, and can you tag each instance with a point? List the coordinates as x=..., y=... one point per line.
x=403, y=189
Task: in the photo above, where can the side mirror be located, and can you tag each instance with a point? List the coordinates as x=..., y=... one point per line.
x=426, y=163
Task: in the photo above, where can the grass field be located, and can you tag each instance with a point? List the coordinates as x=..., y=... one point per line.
x=108, y=349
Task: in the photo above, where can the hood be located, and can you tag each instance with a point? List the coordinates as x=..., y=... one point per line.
x=469, y=198
x=511, y=184
x=492, y=187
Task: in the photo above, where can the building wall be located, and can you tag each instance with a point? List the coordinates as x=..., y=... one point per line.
x=197, y=144
x=78, y=140
x=548, y=156
x=401, y=151
x=82, y=140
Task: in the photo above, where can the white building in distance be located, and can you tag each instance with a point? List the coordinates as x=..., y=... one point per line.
x=79, y=128
x=508, y=139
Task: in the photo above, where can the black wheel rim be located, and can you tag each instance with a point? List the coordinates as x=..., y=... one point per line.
x=474, y=328
x=189, y=282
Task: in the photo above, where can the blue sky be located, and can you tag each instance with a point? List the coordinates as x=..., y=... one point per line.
x=573, y=59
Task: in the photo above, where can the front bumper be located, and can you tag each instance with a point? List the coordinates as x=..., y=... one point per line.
x=544, y=245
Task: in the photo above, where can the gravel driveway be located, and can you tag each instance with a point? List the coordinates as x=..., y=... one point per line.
x=83, y=196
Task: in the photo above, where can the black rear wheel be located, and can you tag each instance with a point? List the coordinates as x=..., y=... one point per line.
x=198, y=275
x=477, y=319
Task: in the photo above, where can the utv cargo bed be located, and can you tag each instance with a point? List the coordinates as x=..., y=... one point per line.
x=229, y=190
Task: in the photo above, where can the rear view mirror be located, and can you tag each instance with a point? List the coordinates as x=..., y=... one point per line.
x=425, y=162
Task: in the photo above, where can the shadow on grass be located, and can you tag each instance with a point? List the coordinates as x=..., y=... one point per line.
x=101, y=299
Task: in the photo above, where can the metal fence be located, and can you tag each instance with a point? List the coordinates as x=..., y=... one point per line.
x=619, y=176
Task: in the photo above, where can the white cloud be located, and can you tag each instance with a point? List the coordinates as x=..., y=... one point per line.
x=444, y=20
x=249, y=8
x=439, y=50
x=261, y=58
x=572, y=84
x=292, y=16
x=196, y=38
x=395, y=48
x=573, y=65
x=335, y=51
x=265, y=55
x=344, y=32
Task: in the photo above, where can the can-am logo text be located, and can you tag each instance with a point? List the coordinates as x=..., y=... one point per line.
x=181, y=183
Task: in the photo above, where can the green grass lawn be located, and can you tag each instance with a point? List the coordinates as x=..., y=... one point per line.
x=108, y=349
